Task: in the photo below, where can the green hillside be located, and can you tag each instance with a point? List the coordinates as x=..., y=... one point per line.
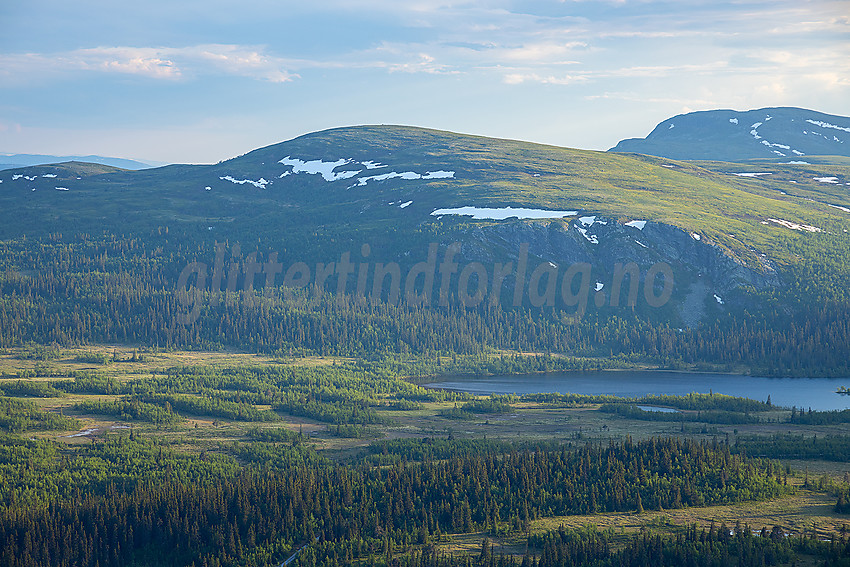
x=95, y=254
x=488, y=172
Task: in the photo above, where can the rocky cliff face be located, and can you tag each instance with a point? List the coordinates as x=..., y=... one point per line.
x=702, y=274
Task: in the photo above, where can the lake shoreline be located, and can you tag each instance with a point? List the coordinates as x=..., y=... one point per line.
x=419, y=380
x=817, y=393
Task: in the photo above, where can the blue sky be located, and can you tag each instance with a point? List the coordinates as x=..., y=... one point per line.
x=201, y=81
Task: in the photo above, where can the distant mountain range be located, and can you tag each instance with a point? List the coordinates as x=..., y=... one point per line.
x=780, y=134
x=14, y=161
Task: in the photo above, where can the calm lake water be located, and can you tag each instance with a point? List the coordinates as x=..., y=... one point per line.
x=817, y=393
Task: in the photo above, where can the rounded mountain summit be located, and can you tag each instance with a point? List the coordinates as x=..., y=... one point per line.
x=729, y=135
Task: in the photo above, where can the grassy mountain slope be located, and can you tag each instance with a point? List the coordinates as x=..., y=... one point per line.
x=704, y=198
x=99, y=259
x=708, y=199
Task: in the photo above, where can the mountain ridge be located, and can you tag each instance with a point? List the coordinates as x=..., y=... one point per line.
x=745, y=244
x=17, y=161
x=778, y=133
x=353, y=172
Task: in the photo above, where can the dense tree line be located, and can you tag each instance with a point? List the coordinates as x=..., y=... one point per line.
x=108, y=288
x=788, y=446
x=83, y=382
x=631, y=411
x=37, y=472
x=493, y=404
x=128, y=409
x=273, y=435
x=701, y=401
x=275, y=455
x=20, y=415
x=440, y=448
x=819, y=417
x=29, y=389
x=259, y=515
x=712, y=547
x=456, y=413
x=212, y=406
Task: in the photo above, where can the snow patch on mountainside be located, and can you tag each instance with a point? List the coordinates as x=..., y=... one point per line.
x=502, y=213
x=319, y=167
x=588, y=222
x=796, y=226
x=409, y=175
x=259, y=184
x=327, y=170
x=439, y=174
x=590, y=237
x=372, y=164
x=755, y=134
x=827, y=125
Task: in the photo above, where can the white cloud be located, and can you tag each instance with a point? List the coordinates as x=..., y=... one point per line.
x=540, y=52
x=244, y=61
x=407, y=62
x=151, y=62
x=147, y=62
x=519, y=78
x=515, y=77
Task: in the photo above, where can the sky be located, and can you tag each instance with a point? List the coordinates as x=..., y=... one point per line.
x=190, y=81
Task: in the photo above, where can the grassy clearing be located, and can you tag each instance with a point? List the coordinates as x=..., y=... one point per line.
x=804, y=511
x=13, y=366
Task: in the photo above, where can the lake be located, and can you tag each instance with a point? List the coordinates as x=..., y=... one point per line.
x=817, y=393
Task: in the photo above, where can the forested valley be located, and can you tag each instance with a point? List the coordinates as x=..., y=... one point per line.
x=253, y=464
